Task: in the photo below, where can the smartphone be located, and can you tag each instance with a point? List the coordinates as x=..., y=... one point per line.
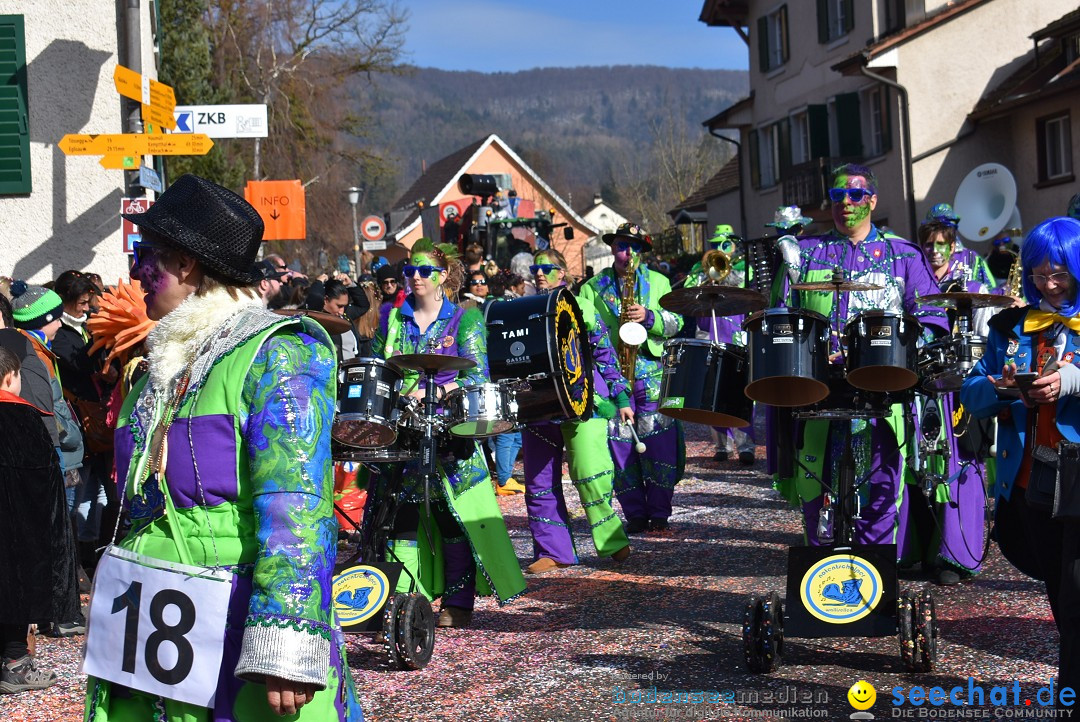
x=1024, y=381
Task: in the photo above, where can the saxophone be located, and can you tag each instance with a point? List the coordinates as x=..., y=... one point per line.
x=631, y=333
x=1013, y=282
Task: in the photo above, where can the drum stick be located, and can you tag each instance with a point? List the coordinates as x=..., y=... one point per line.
x=638, y=446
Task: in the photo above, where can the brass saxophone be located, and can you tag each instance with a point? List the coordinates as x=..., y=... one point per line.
x=631, y=333
x=1016, y=274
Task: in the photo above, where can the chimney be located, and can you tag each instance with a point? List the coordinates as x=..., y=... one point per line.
x=596, y=199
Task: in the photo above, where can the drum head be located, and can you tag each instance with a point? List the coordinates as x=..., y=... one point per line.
x=481, y=429
x=882, y=378
x=787, y=391
x=944, y=382
x=573, y=363
x=708, y=418
x=361, y=432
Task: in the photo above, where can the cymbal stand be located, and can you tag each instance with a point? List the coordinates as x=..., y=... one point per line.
x=428, y=461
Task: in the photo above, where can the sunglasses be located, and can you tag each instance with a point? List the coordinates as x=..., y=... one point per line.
x=139, y=250
x=629, y=245
x=391, y=281
x=424, y=271
x=478, y=282
x=544, y=268
x=857, y=195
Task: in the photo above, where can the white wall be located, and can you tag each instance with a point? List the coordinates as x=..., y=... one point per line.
x=71, y=217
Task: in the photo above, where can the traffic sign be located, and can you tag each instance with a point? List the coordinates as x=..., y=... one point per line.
x=155, y=118
x=282, y=207
x=374, y=245
x=143, y=89
x=222, y=121
x=136, y=144
x=149, y=178
x=373, y=228
x=129, y=230
x=119, y=161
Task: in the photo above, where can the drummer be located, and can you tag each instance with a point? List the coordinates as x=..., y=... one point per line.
x=592, y=473
x=724, y=329
x=863, y=253
x=952, y=539
x=466, y=528
x=644, y=483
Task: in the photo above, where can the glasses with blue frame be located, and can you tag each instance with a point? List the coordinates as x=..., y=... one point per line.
x=544, y=268
x=857, y=195
x=139, y=251
x=424, y=271
x=629, y=245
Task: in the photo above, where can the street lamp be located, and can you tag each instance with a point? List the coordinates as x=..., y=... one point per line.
x=354, y=199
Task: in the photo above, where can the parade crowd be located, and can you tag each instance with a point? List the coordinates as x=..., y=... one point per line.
x=182, y=421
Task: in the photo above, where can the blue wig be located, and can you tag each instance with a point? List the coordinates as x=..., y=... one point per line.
x=1056, y=239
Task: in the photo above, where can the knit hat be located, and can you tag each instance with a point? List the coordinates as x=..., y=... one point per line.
x=213, y=224
x=34, y=306
x=385, y=272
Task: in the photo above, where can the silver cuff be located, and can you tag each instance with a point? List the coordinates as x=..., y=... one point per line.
x=283, y=652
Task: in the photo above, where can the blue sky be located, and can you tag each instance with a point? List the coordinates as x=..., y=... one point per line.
x=500, y=35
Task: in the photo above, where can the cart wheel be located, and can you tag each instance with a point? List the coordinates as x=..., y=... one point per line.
x=752, y=633
x=905, y=625
x=391, y=615
x=772, y=632
x=926, y=631
x=415, y=632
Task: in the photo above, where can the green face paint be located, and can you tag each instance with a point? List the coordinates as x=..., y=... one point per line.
x=847, y=214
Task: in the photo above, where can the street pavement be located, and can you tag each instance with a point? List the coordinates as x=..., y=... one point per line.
x=669, y=620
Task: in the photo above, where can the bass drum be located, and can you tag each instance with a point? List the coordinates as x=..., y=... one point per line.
x=542, y=342
x=702, y=382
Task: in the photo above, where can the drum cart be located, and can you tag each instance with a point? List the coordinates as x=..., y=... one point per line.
x=840, y=589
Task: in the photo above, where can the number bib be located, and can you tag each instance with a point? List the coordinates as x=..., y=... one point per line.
x=157, y=626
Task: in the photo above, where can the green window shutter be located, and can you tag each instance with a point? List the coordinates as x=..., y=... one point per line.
x=818, y=118
x=783, y=139
x=823, y=21
x=785, y=50
x=755, y=161
x=886, y=120
x=848, y=125
x=763, y=42
x=14, y=109
x=849, y=16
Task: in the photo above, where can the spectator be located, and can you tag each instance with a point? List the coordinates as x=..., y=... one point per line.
x=477, y=293
x=350, y=302
x=390, y=285
x=37, y=568
x=474, y=258
x=270, y=282
x=519, y=266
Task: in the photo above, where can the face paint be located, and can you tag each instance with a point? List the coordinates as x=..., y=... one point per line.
x=547, y=280
x=847, y=214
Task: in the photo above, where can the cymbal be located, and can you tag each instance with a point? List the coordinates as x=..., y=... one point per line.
x=333, y=324
x=431, y=362
x=966, y=300
x=705, y=300
x=836, y=286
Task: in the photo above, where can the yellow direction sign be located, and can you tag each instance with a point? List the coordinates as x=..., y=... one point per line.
x=155, y=118
x=117, y=161
x=136, y=144
x=145, y=90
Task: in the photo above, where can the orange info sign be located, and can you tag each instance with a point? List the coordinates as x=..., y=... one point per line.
x=282, y=207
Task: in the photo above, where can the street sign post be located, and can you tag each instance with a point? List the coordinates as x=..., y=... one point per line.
x=222, y=121
x=149, y=178
x=119, y=161
x=374, y=245
x=158, y=99
x=136, y=144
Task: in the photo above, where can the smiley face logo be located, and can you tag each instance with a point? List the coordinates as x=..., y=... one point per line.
x=861, y=696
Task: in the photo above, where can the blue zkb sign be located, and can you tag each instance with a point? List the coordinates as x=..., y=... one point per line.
x=183, y=122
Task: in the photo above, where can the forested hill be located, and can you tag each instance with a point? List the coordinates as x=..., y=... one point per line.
x=576, y=126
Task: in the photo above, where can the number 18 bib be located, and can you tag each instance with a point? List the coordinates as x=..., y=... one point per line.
x=158, y=626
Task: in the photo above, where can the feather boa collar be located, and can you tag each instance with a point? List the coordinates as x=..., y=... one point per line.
x=177, y=339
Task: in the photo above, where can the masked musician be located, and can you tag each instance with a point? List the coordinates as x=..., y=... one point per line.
x=467, y=531
x=591, y=472
x=718, y=265
x=630, y=293
x=224, y=452
x=951, y=539
x=1043, y=338
x=861, y=252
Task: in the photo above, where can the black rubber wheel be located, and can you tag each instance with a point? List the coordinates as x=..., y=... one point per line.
x=905, y=627
x=415, y=639
x=772, y=632
x=752, y=635
x=391, y=615
x=926, y=631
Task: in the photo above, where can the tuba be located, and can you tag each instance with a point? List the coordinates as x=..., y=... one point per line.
x=631, y=333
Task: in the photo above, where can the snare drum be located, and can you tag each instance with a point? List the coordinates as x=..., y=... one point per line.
x=368, y=390
x=542, y=342
x=881, y=351
x=944, y=364
x=701, y=383
x=478, y=410
x=788, y=350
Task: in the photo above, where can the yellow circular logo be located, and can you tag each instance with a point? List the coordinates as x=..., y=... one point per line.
x=862, y=695
x=840, y=589
x=359, y=592
x=577, y=383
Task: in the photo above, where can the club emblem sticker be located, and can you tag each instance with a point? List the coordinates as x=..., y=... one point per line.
x=840, y=589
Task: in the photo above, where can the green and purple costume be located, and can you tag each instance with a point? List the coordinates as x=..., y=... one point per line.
x=250, y=490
